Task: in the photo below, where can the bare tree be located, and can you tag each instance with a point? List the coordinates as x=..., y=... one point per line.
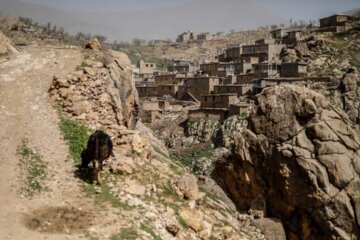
x=274, y=27
x=138, y=41
x=101, y=38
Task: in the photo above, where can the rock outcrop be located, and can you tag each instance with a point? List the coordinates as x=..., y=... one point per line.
x=102, y=95
x=93, y=44
x=302, y=155
x=6, y=46
x=350, y=96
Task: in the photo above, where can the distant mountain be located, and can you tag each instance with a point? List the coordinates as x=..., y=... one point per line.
x=199, y=16
x=353, y=12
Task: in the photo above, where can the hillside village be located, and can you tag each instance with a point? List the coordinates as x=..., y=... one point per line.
x=225, y=85
x=247, y=135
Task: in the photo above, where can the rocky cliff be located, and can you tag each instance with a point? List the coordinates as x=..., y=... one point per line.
x=301, y=156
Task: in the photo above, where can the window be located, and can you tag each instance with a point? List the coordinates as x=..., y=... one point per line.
x=147, y=65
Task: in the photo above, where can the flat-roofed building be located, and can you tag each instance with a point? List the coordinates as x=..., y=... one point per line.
x=147, y=91
x=146, y=68
x=239, y=89
x=218, y=100
x=245, y=78
x=296, y=69
x=210, y=68
x=168, y=90
x=172, y=78
x=200, y=85
x=267, y=69
x=336, y=23
x=259, y=84
x=242, y=109
x=264, y=52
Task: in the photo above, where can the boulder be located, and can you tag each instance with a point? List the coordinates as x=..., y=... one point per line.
x=187, y=184
x=193, y=217
x=271, y=228
x=93, y=44
x=302, y=155
x=121, y=88
x=349, y=82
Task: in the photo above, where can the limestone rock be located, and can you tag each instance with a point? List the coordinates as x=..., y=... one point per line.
x=349, y=82
x=193, y=217
x=93, y=44
x=188, y=186
x=271, y=228
x=135, y=188
x=302, y=155
x=124, y=165
x=80, y=108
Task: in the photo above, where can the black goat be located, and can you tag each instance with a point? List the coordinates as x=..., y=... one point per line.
x=99, y=148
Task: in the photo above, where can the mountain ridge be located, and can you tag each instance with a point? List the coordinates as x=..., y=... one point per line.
x=200, y=16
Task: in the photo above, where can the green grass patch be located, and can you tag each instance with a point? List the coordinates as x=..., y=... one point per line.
x=125, y=234
x=149, y=230
x=33, y=168
x=156, y=149
x=105, y=195
x=210, y=195
x=76, y=135
x=169, y=190
x=82, y=65
x=186, y=156
x=181, y=221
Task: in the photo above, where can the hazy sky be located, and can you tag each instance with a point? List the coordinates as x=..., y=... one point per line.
x=298, y=9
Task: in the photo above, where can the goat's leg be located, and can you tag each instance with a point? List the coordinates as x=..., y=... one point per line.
x=97, y=171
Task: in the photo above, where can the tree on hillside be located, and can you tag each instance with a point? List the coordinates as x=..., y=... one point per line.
x=138, y=41
x=101, y=38
x=274, y=27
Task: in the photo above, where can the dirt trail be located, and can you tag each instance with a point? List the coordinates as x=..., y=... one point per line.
x=26, y=112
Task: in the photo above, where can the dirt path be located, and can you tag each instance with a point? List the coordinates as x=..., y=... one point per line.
x=26, y=112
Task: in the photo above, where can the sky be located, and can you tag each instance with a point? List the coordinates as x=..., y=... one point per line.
x=296, y=9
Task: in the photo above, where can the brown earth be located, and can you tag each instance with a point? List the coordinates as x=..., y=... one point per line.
x=27, y=113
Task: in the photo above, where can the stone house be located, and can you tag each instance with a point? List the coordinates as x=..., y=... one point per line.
x=267, y=69
x=146, y=68
x=168, y=90
x=147, y=91
x=183, y=67
x=214, y=114
x=335, y=23
x=245, y=78
x=228, y=80
x=218, y=100
x=239, y=89
x=233, y=54
x=212, y=68
x=243, y=67
x=293, y=37
x=186, y=37
x=264, y=52
x=226, y=69
x=259, y=84
x=202, y=37
x=264, y=41
x=172, y=78
x=222, y=57
x=239, y=109
x=296, y=69
x=199, y=85
x=278, y=34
